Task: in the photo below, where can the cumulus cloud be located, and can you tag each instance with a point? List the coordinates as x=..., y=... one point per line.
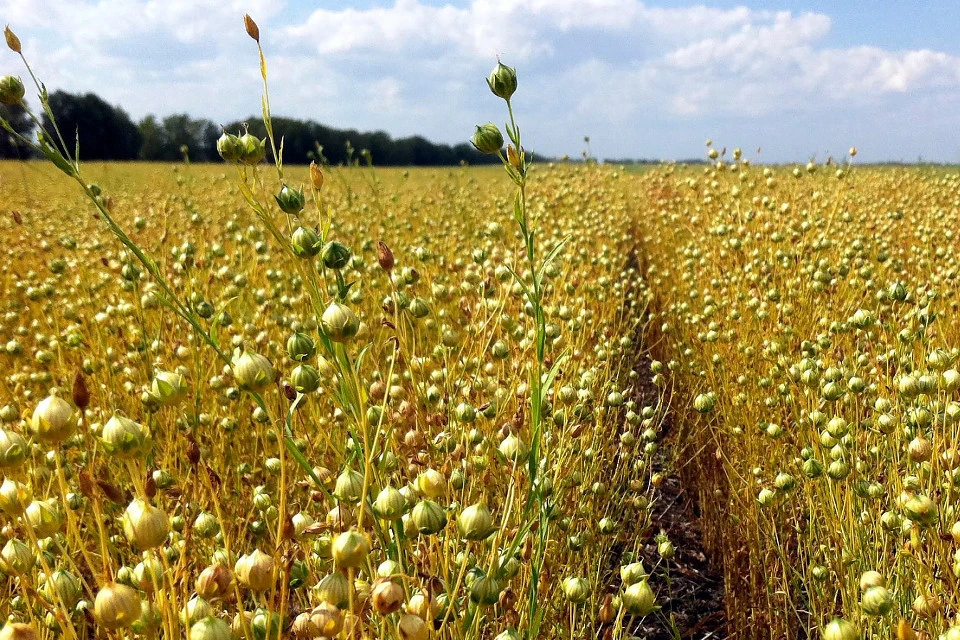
x=640, y=79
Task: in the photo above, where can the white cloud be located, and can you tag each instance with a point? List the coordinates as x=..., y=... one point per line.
x=610, y=68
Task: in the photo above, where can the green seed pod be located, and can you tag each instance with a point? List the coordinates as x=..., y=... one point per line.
x=812, y=468
x=639, y=599
x=428, y=517
x=502, y=81
x=228, y=146
x=840, y=629
x=921, y=510
x=11, y=90
x=290, y=200
x=500, y=350
x=475, y=522
x=632, y=573
x=124, y=438
x=335, y=255
x=705, y=402
x=576, y=590
x=13, y=449
x=300, y=347
x=16, y=558
x=148, y=575
x=876, y=601
x=820, y=573
x=63, y=587
x=339, y=322
x=484, y=589
x=838, y=470
x=832, y=392
x=44, y=517
x=206, y=525
x=9, y=412
x=349, y=550
x=305, y=242
x=14, y=497
x=784, y=482
x=252, y=371
x=333, y=589
x=210, y=628
x=54, y=420
x=349, y=487
x=390, y=504
x=487, y=138
x=513, y=449
x=168, y=388
x=411, y=627
x=465, y=413
x=196, y=609
x=117, y=606
x=300, y=522
x=766, y=497
x=666, y=549
x=305, y=379
x=419, y=308
x=908, y=386
x=255, y=570
x=144, y=525
x=950, y=380
x=252, y=149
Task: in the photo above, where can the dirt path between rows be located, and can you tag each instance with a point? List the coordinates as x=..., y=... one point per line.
x=692, y=592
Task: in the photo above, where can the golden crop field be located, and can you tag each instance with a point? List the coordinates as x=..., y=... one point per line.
x=540, y=400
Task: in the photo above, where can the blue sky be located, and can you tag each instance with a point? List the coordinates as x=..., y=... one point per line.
x=643, y=79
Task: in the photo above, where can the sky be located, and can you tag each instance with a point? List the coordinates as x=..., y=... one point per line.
x=798, y=80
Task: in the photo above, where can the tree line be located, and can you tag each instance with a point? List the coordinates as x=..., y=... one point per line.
x=107, y=132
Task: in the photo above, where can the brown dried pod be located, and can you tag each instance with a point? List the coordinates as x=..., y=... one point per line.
x=607, y=614
x=251, y=27
x=113, y=493
x=81, y=394
x=150, y=485
x=215, y=583
x=193, y=450
x=215, y=481
x=385, y=256
x=87, y=486
x=508, y=599
x=288, y=530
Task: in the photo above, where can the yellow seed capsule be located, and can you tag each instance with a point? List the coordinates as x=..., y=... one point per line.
x=117, y=606
x=316, y=176
x=905, y=631
x=512, y=156
x=12, y=40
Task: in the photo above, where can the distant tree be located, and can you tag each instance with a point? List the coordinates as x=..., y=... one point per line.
x=153, y=139
x=165, y=140
x=105, y=132
x=302, y=137
x=10, y=147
